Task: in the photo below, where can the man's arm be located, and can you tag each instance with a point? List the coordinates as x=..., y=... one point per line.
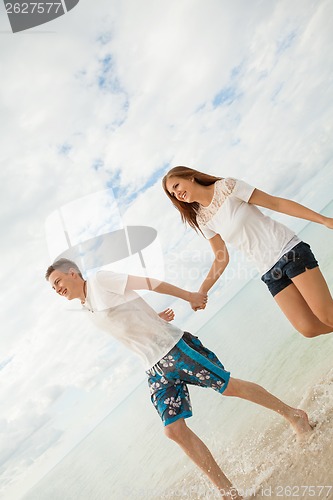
x=288, y=207
x=168, y=314
x=197, y=300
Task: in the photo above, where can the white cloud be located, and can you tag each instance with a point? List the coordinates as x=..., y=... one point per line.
x=111, y=97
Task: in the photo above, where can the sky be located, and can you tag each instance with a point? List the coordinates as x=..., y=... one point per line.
x=96, y=106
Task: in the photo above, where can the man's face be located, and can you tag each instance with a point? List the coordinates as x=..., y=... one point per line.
x=67, y=285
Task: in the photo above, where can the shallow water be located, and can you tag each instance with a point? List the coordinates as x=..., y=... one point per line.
x=272, y=463
x=127, y=455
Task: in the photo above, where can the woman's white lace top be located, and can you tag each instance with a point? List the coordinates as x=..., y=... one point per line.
x=243, y=225
x=222, y=189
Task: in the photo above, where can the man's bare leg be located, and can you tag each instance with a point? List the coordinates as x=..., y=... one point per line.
x=198, y=452
x=297, y=418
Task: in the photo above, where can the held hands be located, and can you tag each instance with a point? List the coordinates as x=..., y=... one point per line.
x=198, y=300
x=168, y=314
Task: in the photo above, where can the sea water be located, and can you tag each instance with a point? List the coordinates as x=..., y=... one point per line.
x=128, y=456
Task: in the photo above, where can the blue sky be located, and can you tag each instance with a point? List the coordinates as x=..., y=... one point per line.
x=110, y=98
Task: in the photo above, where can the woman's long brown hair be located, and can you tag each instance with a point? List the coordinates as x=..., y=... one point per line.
x=188, y=211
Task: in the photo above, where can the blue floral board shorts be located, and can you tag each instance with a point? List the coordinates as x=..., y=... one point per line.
x=290, y=265
x=188, y=362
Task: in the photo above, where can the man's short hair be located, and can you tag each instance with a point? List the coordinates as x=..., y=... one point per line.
x=63, y=265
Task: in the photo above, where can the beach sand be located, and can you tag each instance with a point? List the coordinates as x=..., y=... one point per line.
x=127, y=456
x=273, y=464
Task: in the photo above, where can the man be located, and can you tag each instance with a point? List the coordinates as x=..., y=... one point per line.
x=172, y=358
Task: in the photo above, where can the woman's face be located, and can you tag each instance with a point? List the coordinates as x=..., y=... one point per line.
x=181, y=189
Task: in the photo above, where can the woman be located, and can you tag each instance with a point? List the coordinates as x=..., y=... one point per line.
x=224, y=211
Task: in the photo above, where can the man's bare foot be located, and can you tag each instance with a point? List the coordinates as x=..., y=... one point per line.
x=230, y=494
x=300, y=423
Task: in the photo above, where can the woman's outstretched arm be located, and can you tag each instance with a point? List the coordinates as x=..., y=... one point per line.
x=288, y=207
x=220, y=263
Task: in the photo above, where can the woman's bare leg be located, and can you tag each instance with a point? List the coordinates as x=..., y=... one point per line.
x=314, y=289
x=298, y=311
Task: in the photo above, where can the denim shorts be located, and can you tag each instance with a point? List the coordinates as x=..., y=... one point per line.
x=291, y=264
x=188, y=362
